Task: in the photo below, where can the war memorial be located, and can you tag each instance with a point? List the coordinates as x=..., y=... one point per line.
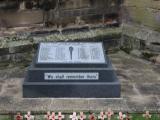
x=79, y=60
x=71, y=69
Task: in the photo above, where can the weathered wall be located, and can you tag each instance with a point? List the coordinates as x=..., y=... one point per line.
x=144, y=12
x=88, y=20
x=141, y=25
x=141, y=28
x=12, y=18
x=61, y=13
x=20, y=48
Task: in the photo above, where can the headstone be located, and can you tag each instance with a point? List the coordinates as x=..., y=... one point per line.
x=71, y=69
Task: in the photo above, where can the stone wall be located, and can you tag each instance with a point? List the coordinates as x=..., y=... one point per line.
x=20, y=48
x=87, y=20
x=143, y=12
x=141, y=25
x=140, y=28
x=62, y=12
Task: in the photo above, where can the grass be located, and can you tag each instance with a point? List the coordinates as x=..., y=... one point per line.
x=4, y=117
x=133, y=117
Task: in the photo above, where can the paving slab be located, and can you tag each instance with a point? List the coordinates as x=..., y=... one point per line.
x=140, y=103
x=149, y=88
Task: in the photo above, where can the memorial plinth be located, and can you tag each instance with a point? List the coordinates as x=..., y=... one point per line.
x=71, y=69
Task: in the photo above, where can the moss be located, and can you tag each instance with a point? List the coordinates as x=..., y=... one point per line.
x=148, y=55
x=110, y=32
x=126, y=49
x=113, y=50
x=14, y=41
x=4, y=64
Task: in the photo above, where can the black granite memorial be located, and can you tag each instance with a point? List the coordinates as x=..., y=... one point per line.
x=71, y=69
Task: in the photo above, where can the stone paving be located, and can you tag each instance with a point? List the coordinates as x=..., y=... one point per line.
x=140, y=89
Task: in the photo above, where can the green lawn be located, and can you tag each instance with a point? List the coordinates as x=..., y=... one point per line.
x=4, y=117
x=134, y=117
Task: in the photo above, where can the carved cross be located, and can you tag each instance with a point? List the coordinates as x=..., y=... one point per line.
x=71, y=52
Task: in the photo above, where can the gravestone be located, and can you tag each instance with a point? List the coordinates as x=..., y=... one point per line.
x=71, y=69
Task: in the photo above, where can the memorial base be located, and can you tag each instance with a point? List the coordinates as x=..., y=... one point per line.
x=74, y=90
x=106, y=86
